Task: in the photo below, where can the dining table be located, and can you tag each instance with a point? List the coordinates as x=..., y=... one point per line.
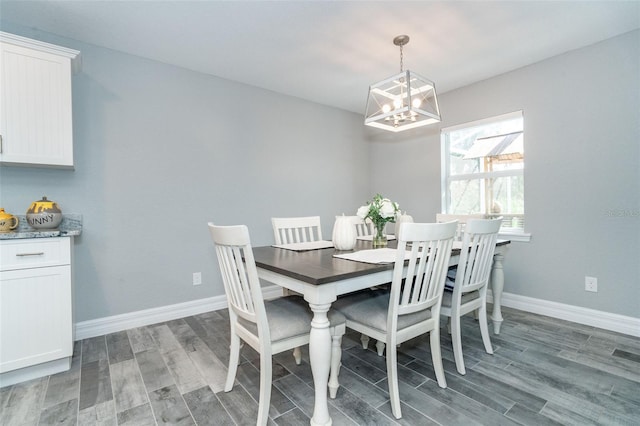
x=320, y=277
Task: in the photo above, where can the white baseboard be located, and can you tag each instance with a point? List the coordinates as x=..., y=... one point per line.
x=591, y=317
x=113, y=324
x=39, y=370
x=600, y=319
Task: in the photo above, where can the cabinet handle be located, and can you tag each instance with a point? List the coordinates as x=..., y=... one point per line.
x=40, y=253
x=0, y=144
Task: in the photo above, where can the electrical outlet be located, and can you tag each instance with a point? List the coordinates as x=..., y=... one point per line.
x=591, y=284
x=197, y=278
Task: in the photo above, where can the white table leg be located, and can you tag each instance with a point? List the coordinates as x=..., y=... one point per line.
x=320, y=357
x=497, y=285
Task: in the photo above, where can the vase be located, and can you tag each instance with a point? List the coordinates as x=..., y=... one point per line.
x=403, y=218
x=344, y=233
x=379, y=239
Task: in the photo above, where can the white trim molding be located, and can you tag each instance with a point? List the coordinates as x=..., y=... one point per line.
x=585, y=316
x=113, y=324
x=35, y=371
x=521, y=237
x=484, y=121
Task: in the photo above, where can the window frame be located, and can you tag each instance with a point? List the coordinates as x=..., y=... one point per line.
x=514, y=234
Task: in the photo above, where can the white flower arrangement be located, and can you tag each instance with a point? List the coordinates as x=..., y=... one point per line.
x=380, y=210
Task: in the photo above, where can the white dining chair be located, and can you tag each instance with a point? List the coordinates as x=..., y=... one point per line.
x=469, y=292
x=365, y=228
x=412, y=306
x=270, y=326
x=288, y=230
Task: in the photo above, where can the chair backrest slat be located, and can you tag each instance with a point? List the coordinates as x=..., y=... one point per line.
x=234, y=277
x=288, y=230
x=363, y=228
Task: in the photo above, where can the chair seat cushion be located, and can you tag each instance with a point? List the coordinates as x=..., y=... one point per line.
x=289, y=317
x=466, y=297
x=371, y=309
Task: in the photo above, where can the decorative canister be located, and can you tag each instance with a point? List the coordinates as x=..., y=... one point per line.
x=403, y=218
x=344, y=233
x=8, y=221
x=44, y=214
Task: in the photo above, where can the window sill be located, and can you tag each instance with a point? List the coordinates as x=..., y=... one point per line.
x=522, y=237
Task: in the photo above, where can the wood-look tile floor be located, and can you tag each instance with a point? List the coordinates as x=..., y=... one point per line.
x=544, y=371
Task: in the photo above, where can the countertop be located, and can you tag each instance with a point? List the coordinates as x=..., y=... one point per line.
x=70, y=226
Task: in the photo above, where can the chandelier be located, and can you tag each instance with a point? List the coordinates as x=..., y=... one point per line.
x=403, y=101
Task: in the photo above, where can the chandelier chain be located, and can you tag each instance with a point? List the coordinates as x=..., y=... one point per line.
x=401, y=59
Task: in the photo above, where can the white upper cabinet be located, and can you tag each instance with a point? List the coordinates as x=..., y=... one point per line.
x=35, y=102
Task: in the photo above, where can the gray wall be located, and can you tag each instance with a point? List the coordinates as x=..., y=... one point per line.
x=582, y=172
x=160, y=151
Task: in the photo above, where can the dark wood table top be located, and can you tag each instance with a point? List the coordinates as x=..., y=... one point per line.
x=319, y=266
x=316, y=266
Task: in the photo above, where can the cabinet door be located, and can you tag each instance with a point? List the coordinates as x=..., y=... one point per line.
x=35, y=316
x=35, y=107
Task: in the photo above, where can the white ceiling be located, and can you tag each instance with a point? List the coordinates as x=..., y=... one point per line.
x=330, y=51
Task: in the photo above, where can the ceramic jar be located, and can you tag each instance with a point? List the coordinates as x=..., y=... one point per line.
x=8, y=221
x=44, y=214
x=403, y=218
x=344, y=233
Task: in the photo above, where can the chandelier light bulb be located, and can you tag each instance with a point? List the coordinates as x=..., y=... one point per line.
x=386, y=108
x=416, y=102
x=397, y=104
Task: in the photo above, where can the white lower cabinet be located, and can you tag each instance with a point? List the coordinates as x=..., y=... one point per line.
x=36, y=312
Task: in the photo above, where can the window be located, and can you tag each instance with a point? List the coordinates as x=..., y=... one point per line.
x=482, y=170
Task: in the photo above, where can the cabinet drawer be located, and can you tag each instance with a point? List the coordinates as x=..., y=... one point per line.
x=34, y=253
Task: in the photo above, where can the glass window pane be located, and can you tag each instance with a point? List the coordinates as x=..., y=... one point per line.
x=465, y=197
x=507, y=195
x=462, y=141
x=502, y=195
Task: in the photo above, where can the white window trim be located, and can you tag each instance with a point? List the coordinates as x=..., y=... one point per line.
x=512, y=234
x=487, y=175
x=482, y=122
